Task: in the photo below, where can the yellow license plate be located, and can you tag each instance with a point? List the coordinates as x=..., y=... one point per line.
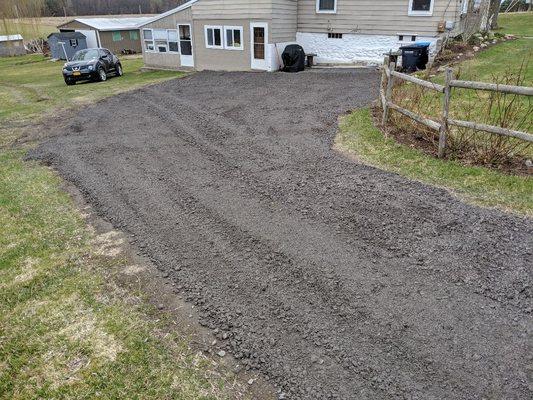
x=76, y=73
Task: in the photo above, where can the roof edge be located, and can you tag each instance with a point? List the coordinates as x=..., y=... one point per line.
x=80, y=21
x=65, y=23
x=170, y=12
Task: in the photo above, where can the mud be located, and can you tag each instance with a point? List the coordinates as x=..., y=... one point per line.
x=334, y=279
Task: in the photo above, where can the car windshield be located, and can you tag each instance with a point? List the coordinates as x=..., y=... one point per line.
x=85, y=55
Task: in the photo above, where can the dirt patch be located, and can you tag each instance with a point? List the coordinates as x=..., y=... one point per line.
x=331, y=278
x=458, y=51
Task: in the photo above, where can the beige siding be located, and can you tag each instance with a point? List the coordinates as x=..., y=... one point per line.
x=374, y=17
x=284, y=21
x=232, y=9
x=172, y=20
x=167, y=60
x=221, y=60
x=162, y=60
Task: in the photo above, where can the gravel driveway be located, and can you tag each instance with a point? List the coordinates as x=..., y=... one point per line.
x=334, y=279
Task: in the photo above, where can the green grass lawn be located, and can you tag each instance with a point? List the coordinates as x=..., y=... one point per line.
x=506, y=59
x=66, y=329
x=32, y=87
x=29, y=28
x=479, y=185
x=516, y=23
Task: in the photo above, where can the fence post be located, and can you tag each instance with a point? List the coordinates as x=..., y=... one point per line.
x=443, y=131
x=383, y=81
x=388, y=93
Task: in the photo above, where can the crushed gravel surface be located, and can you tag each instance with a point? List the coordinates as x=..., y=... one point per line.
x=334, y=279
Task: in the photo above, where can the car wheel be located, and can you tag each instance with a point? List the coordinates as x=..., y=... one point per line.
x=118, y=70
x=70, y=82
x=102, y=76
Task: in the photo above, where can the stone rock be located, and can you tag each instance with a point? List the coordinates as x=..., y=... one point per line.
x=529, y=163
x=221, y=353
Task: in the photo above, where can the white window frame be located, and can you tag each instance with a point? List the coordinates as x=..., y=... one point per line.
x=147, y=40
x=222, y=40
x=413, y=13
x=75, y=42
x=154, y=40
x=160, y=42
x=175, y=41
x=319, y=11
x=233, y=28
x=407, y=38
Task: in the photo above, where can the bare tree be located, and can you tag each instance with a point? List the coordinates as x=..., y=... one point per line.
x=494, y=10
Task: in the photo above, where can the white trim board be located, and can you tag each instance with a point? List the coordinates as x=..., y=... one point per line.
x=412, y=13
x=319, y=11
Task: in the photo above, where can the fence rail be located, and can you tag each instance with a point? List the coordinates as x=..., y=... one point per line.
x=442, y=127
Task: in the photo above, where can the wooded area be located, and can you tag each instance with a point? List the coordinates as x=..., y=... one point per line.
x=58, y=8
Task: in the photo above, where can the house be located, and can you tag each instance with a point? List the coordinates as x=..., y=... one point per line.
x=251, y=35
x=11, y=45
x=115, y=34
x=63, y=45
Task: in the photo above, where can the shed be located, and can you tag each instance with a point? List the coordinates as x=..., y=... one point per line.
x=115, y=34
x=72, y=42
x=11, y=45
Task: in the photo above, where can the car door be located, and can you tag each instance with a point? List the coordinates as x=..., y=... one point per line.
x=106, y=59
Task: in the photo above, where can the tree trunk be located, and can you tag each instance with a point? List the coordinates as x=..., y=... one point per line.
x=494, y=10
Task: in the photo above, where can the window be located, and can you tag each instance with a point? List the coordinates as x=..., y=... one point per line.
x=231, y=40
x=420, y=7
x=332, y=35
x=117, y=36
x=134, y=35
x=161, y=40
x=213, y=37
x=74, y=42
x=148, y=40
x=233, y=37
x=173, y=41
x=406, y=37
x=326, y=6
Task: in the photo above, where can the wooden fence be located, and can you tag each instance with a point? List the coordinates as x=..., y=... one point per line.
x=442, y=126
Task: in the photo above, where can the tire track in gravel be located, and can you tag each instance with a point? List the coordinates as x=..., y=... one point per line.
x=334, y=279
x=184, y=108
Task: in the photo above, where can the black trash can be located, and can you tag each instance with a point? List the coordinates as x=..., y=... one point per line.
x=293, y=58
x=415, y=57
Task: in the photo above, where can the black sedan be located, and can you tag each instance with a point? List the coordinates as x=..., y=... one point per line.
x=91, y=64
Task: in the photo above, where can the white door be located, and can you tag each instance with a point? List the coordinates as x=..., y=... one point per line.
x=186, y=53
x=258, y=47
x=92, y=41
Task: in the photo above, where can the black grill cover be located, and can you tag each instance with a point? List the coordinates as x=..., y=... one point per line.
x=293, y=58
